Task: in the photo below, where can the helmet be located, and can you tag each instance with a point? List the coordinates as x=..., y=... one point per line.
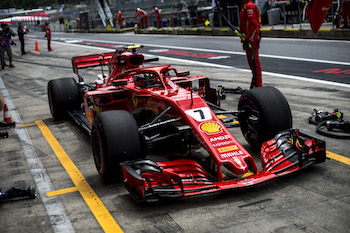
x=145, y=80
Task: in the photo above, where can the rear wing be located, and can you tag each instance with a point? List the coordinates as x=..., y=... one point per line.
x=89, y=61
x=131, y=60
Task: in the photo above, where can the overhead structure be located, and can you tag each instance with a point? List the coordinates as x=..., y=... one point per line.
x=104, y=13
x=108, y=13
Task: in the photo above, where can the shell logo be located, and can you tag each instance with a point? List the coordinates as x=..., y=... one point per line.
x=210, y=127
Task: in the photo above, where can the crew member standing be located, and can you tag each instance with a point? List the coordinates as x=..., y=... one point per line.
x=47, y=30
x=21, y=31
x=2, y=102
x=156, y=12
x=6, y=41
x=249, y=25
x=345, y=13
x=119, y=18
x=142, y=15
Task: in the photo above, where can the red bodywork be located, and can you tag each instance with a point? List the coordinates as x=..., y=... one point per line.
x=148, y=180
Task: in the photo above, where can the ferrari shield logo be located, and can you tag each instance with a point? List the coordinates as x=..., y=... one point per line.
x=134, y=99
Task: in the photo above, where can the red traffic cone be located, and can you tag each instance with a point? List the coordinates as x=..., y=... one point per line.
x=36, y=45
x=7, y=117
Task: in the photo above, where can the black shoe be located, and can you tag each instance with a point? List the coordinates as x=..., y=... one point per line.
x=24, y=53
x=11, y=66
x=345, y=26
x=5, y=64
x=2, y=67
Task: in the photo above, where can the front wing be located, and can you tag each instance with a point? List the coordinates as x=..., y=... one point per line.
x=288, y=152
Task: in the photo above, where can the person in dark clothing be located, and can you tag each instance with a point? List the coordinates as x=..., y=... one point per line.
x=6, y=40
x=47, y=30
x=21, y=31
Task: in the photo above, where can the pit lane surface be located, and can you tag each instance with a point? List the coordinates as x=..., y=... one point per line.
x=315, y=200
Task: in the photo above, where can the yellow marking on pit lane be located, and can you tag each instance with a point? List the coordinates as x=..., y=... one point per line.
x=337, y=157
x=62, y=191
x=15, y=53
x=100, y=212
x=129, y=28
x=21, y=126
x=34, y=52
x=291, y=29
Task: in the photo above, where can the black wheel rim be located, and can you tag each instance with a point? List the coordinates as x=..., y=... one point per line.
x=97, y=150
x=250, y=124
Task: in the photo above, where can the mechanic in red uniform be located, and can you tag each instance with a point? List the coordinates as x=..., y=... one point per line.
x=119, y=18
x=249, y=25
x=156, y=12
x=142, y=15
x=345, y=13
x=47, y=30
x=2, y=102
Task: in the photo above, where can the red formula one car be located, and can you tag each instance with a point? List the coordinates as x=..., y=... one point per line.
x=137, y=110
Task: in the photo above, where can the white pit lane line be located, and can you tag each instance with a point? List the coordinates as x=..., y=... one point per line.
x=54, y=209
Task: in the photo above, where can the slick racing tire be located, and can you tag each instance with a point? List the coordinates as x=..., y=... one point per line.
x=63, y=95
x=115, y=138
x=264, y=113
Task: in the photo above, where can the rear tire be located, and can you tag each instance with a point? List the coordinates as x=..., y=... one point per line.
x=115, y=139
x=63, y=95
x=266, y=112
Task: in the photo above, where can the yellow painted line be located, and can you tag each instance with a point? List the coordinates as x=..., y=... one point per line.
x=62, y=191
x=265, y=29
x=15, y=53
x=34, y=52
x=159, y=30
x=20, y=126
x=194, y=29
x=181, y=29
x=337, y=157
x=324, y=30
x=100, y=212
x=169, y=29
x=224, y=29
x=291, y=30
x=126, y=29
x=207, y=30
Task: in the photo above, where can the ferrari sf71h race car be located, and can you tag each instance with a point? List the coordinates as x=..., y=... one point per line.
x=136, y=110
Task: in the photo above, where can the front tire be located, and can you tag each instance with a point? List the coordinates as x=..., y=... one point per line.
x=265, y=112
x=63, y=95
x=115, y=139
